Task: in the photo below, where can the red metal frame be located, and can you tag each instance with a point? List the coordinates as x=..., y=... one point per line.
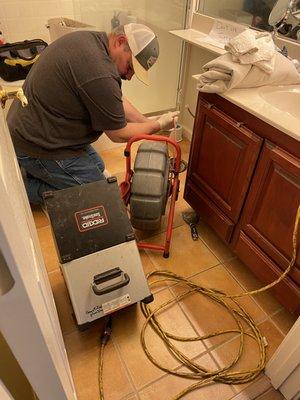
x=125, y=187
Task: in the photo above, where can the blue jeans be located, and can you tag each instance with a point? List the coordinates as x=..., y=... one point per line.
x=44, y=175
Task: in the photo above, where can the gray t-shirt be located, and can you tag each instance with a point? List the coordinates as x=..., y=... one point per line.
x=74, y=94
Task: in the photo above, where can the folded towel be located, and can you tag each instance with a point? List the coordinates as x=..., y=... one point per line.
x=256, y=48
x=265, y=65
x=285, y=73
x=222, y=74
x=244, y=43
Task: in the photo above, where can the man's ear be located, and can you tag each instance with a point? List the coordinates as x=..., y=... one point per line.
x=121, y=40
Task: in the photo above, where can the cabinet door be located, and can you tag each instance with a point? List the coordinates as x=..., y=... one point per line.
x=270, y=210
x=222, y=160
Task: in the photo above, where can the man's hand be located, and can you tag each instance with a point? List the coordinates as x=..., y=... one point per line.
x=168, y=121
x=164, y=122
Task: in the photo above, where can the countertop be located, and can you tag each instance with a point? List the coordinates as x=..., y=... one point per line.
x=252, y=101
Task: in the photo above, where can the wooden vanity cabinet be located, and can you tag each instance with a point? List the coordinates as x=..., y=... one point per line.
x=222, y=159
x=244, y=181
x=264, y=238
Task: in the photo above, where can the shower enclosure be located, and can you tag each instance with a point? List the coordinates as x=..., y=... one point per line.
x=160, y=16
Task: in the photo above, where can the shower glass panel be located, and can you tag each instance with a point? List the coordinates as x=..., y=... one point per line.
x=160, y=16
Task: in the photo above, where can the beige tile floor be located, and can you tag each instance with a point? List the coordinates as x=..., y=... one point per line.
x=128, y=374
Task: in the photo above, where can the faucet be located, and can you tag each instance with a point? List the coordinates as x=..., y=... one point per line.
x=284, y=51
x=18, y=93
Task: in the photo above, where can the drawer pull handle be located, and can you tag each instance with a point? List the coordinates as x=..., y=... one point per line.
x=209, y=106
x=240, y=124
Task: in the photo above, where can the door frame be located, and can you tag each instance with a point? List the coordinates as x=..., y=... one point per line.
x=283, y=369
x=28, y=317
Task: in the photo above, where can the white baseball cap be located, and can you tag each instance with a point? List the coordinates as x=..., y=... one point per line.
x=144, y=47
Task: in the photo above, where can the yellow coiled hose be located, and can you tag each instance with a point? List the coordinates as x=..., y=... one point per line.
x=202, y=375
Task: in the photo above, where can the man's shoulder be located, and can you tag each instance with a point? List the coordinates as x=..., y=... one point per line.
x=86, y=36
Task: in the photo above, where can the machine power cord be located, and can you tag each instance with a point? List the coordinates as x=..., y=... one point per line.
x=202, y=375
x=105, y=336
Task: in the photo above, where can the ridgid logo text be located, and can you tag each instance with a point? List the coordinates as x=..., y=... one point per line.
x=91, y=218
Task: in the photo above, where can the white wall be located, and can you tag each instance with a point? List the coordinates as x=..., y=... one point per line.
x=20, y=19
x=196, y=58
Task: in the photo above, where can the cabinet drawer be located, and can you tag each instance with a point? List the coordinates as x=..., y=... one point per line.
x=223, y=158
x=286, y=292
x=209, y=212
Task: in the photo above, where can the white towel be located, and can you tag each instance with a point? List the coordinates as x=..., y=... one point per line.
x=256, y=48
x=265, y=65
x=244, y=43
x=222, y=74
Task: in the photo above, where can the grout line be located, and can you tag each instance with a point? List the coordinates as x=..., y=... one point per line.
x=192, y=326
x=69, y=332
x=123, y=361
x=216, y=347
x=52, y=271
x=275, y=323
x=260, y=386
x=177, y=368
x=214, y=253
x=130, y=396
x=245, y=289
x=172, y=285
x=149, y=384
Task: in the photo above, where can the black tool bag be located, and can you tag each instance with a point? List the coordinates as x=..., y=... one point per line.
x=17, y=58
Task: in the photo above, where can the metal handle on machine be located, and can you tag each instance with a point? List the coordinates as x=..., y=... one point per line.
x=107, y=276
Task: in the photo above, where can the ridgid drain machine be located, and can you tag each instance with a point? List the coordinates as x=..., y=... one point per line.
x=94, y=237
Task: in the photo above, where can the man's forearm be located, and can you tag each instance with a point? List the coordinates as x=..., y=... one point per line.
x=133, y=129
x=131, y=113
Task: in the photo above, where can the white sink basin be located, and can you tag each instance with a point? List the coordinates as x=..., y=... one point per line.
x=283, y=98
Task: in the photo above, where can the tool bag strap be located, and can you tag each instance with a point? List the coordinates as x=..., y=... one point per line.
x=26, y=50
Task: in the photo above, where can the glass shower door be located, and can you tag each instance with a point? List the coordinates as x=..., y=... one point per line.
x=160, y=16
